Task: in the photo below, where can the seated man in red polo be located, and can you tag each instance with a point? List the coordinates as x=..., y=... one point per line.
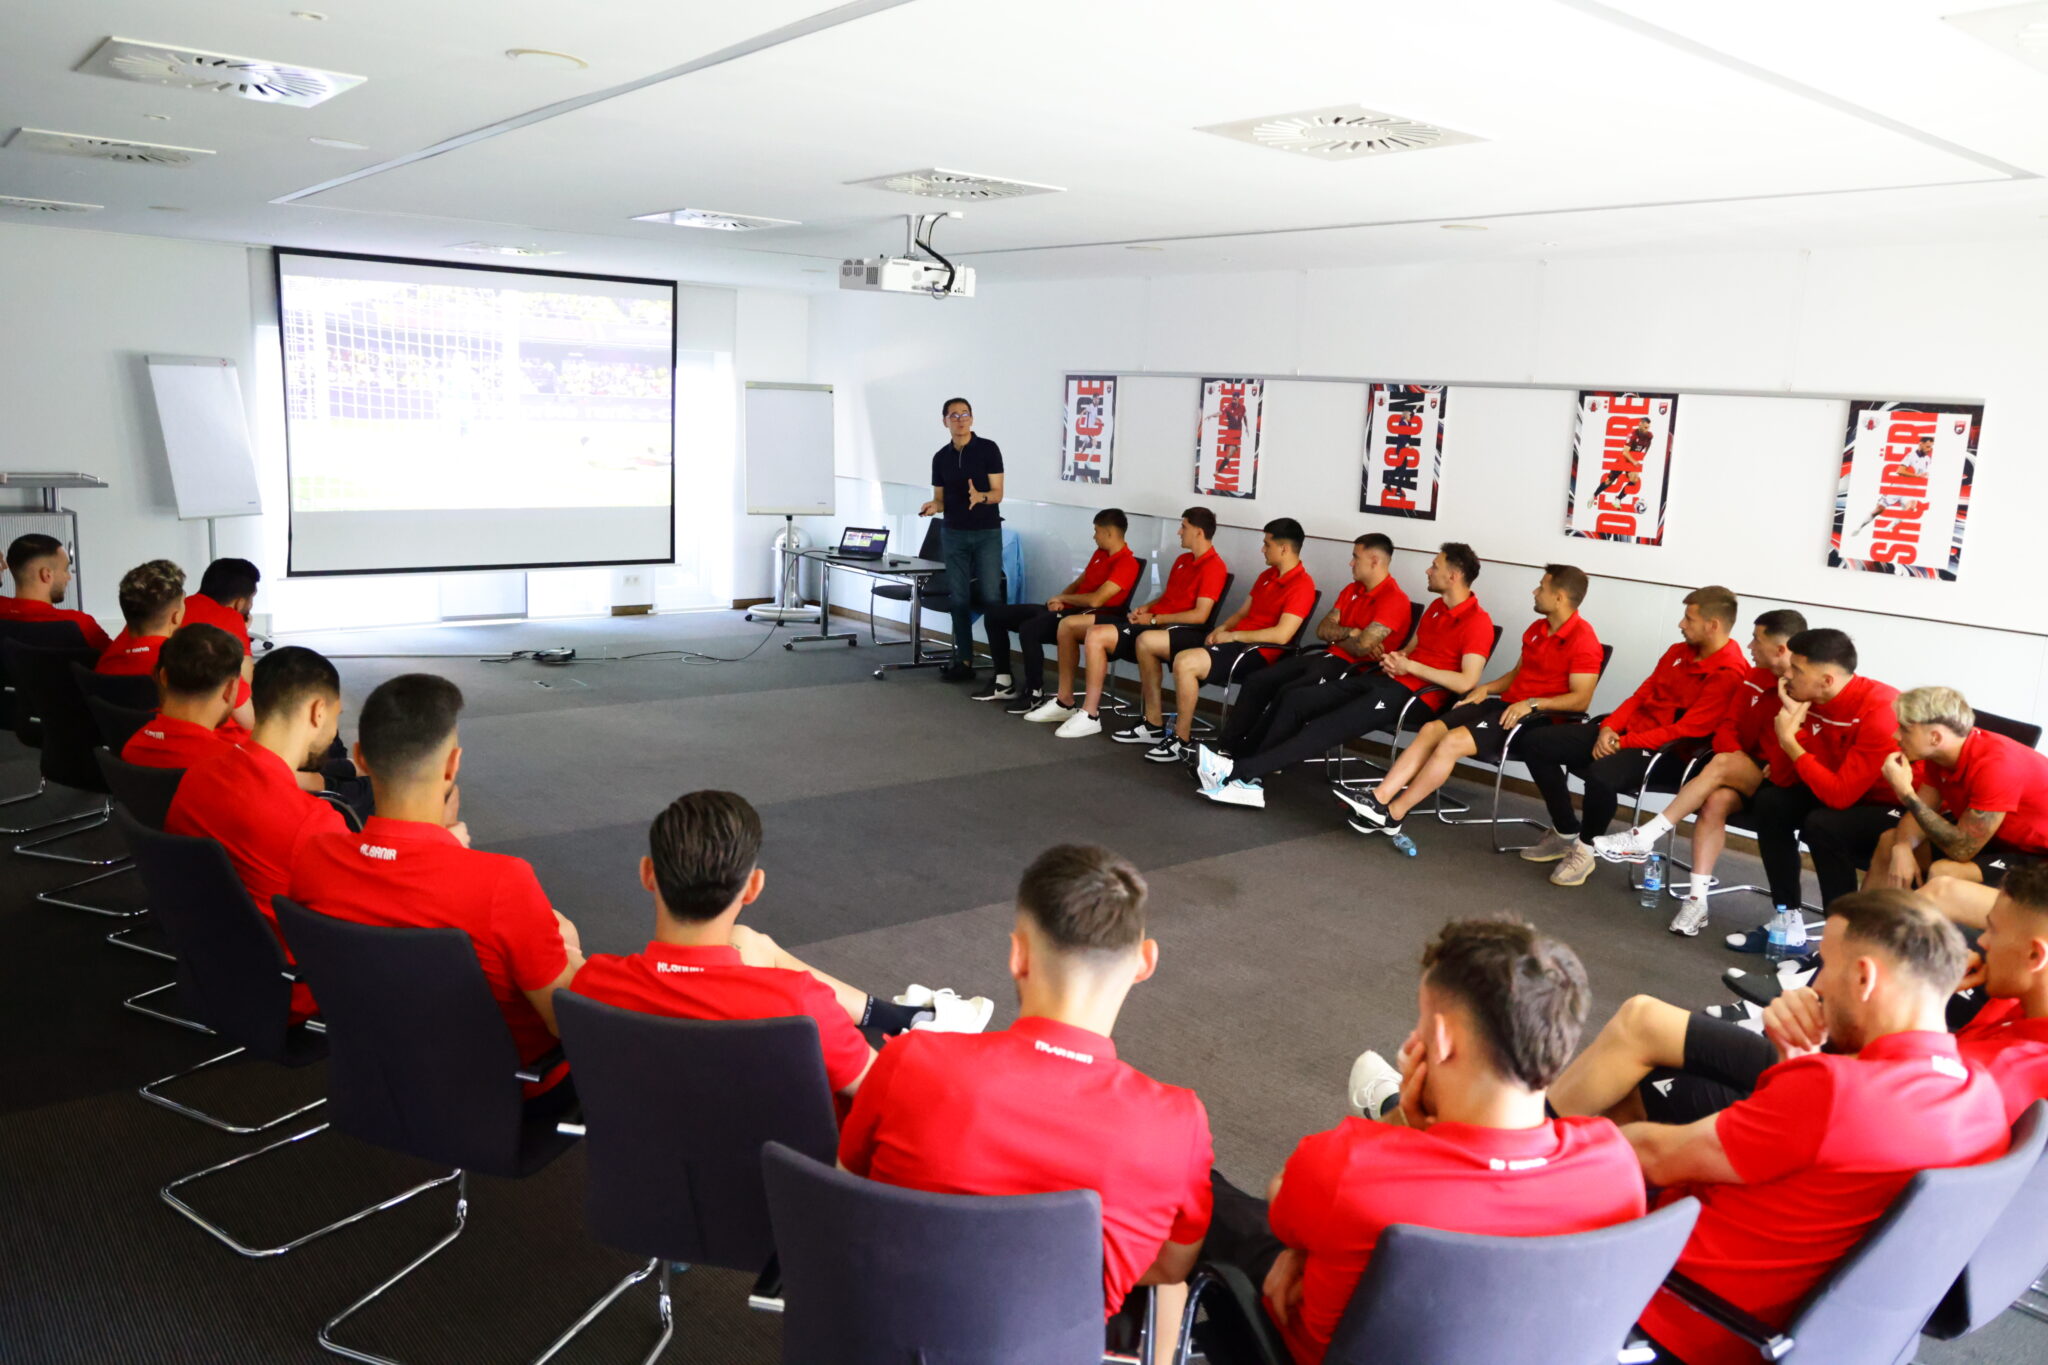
x=199, y=674
x=227, y=594
x=412, y=868
x=1470, y=1148
x=152, y=597
x=1045, y=1104
x=249, y=799
x=704, y=870
x=1791, y=1177
x=41, y=569
x=1101, y=593
x=2009, y=1036
x=1978, y=809
x=1558, y=669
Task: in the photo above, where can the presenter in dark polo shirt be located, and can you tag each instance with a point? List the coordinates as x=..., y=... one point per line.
x=967, y=484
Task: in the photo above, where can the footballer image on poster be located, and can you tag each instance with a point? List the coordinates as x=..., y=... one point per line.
x=1227, y=438
x=1404, y=450
x=1088, y=444
x=1902, y=495
x=1621, y=466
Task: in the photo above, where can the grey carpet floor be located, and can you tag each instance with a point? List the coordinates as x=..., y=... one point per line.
x=899, y=815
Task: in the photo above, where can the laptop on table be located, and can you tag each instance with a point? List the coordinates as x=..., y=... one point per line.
x=863, y=542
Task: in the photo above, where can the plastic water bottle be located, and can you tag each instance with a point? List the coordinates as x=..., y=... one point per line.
x=1405, y=844
x=1776, y=944
x=1796, y=943
x=1652, y=887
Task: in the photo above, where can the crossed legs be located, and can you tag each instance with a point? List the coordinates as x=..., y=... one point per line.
x=1424, y=766
x=1644, y=1034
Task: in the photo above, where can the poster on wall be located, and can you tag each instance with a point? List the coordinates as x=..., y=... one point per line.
x=1227, y=438
x=1904, y=465
x=1404, y=450
x=1621, y=466
x=1088, y=444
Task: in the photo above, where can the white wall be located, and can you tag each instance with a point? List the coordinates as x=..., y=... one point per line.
x=1752, y=479
x=83, y=308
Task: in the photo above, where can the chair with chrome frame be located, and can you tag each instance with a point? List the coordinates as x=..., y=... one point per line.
x=16, y=713
x=874, y=1274
x=1873, y=1304
x=69, y=735
x=1431, y=1297
x=1417, y=707
x=1302, y=636
x=914, y=590
x=382, y=991
x=675, y=1115
x=1123, y=706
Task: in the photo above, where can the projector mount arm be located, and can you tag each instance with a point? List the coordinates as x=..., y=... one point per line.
x=917, y=236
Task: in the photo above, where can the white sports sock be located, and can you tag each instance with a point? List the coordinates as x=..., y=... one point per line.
x=1655, y=828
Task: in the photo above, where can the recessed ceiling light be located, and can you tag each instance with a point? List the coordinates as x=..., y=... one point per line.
x=540, y=57
x=501, y=249
x=339, y=143
x=1462, y=227
x=190, y=68
x=941, y=184
x=713, y=219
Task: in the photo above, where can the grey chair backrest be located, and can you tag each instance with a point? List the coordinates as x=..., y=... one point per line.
x=2006, y=1262
x=1450, y=1298
x=676, y=1112
x=1871, y=1306
x=873, y=1274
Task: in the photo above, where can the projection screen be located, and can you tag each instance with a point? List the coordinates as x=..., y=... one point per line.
x=442, y=417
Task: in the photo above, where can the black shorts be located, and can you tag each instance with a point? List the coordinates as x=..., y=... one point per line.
x=1104, y=616
x=1482, y=720
x=1223, y=657
x=1723, y=1063
x=1178, y=638
x=1994, y=860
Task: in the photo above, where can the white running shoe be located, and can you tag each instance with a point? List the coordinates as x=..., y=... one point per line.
x=1213, y=768
x=951, y=1011
x=1236, y=793
x=1691, y=917
x=1050, y=712
x=1629, y=846
x=1373, y=1082
x=1080, y=725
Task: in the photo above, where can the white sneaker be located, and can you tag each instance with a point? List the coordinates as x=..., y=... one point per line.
x=1373, y=1083
x=1629, y=846
x=1236, y=793
x=1050, y=712
x=1691, y=917
x=951, y=1011
x=1080, y=725
x=1213, y=768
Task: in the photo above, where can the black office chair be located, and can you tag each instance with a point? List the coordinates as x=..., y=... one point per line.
x=117, y=724
x=15, y=713
x=132, y=690
x=876, y=1275
x=146, y=794
x=1564, y=1300
x=2021, y=731
x=44, y=681
x=1302, y=636
x=2002, y=1271
x=384, y=992
x=1123, y=706
x=1420, y=708
x=1871, y=1306
x=932, y=549
x=676, y=1112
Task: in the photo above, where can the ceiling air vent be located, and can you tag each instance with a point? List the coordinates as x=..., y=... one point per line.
x=16, y=204
x=1339, y=134
x=713, y=220
x=188, y=68
x=104, y=148
x=938, y=184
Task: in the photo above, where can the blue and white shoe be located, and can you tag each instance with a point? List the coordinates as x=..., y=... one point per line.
x=1235, y=793
x=1211, y=767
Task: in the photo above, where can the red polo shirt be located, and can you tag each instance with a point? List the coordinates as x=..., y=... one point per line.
x=1189, y=580
x=1037, y=1107
x=1550, y=657
x=201, y=610
x=167, y=742
x=1273, y=596
x=1997, y=775
x=1121, y=568
x=712, y=983
x=1445, y=636
x=1343, y=1188
x=2013, y=1048
x=1846, y=740
x=408, y=874
x=1751, y=708
x=1685, y=697
x=130, y=655
x=1823, y=1147
x=35, y=609
x=249, y=801
x=1359, y=606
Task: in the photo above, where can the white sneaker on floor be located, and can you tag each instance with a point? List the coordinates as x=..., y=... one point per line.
x=1691, y=917
x=1234, y=793
x=1051, y=712
x=1080, y=725
x=1629, y=846
x=953, y=1012
x=1213, y=768
x=1373, y=1082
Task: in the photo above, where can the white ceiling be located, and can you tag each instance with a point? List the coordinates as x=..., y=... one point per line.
x=1608, y=128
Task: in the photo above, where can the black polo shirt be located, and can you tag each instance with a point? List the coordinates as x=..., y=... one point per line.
x=954, y=468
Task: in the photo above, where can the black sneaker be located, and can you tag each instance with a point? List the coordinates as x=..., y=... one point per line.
x=956, y=672
x=1167, y=750
x=1025, y=703
x=999, y=688
x=1141, y=733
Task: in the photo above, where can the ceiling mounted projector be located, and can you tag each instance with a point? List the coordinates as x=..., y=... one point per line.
x=919, y=270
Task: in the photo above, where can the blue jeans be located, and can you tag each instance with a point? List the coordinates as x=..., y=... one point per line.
x=972, y=558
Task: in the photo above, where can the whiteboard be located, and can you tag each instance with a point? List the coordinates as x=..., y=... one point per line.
x=788, y=443
x=206, y=436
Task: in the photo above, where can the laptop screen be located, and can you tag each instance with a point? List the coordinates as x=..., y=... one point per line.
x=863, y=540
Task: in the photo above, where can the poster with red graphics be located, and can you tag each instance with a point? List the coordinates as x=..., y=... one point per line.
x=1404, y=450
x=1088, y=446
x=1227, y=438
x=1904, y=467
x=1621, y=466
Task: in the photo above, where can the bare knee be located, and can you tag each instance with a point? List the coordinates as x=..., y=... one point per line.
x=1648, y=1023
